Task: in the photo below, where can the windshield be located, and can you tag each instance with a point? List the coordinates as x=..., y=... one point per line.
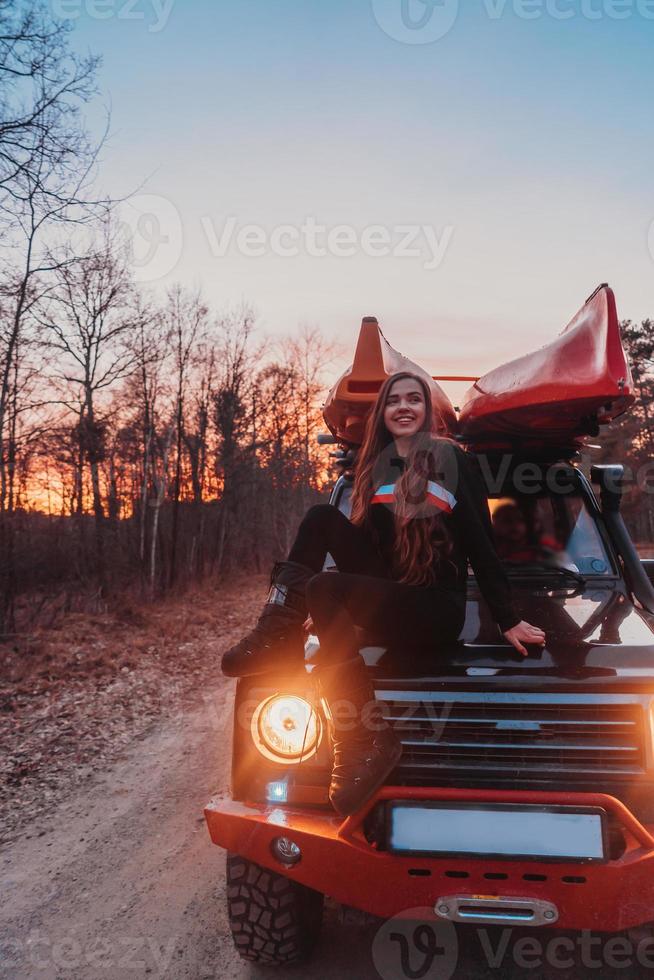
x=554, y=531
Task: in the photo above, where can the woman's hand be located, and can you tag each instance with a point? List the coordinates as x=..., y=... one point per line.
x=308, y=624
x=524, y=633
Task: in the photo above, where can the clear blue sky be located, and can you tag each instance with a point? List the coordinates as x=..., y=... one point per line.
x=530, y=139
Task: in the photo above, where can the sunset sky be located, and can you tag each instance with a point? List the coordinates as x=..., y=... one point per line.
x=521, y=138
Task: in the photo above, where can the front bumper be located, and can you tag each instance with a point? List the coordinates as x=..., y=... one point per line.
x=338, y=861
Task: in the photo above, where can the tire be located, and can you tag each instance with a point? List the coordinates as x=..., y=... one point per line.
x=273, y=920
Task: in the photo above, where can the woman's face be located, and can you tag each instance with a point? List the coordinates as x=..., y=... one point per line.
x=405, y=409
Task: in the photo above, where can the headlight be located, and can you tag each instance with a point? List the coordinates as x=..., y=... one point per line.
x=285, y=728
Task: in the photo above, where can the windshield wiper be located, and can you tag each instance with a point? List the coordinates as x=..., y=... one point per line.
x=536, y=570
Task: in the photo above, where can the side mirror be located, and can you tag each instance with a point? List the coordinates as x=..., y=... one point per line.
x=609, y=476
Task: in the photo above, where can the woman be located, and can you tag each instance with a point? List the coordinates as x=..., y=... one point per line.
x=419, y=511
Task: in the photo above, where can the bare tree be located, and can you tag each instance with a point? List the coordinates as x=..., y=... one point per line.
x=148, y=344
x=310, y=354
x=160, y=479
x=86, y=323
x=46, y=169
x=186, y=320
x=231, y=415
x=42, y=85
x=196, y=441
x=46, y=164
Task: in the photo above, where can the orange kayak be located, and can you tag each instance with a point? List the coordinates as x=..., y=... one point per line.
x=559, y=393
x=348, y=403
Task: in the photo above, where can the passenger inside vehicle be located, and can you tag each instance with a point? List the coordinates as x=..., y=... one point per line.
x=549, y=530
x=520, y=540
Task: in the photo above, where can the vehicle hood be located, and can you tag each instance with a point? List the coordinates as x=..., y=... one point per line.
x=596, y=635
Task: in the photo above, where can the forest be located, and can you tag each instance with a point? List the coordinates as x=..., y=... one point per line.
x=144, y=440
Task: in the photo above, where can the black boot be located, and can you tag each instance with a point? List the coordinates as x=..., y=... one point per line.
x=277, y=640
x=366, y=749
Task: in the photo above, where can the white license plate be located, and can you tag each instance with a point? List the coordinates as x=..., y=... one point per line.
x=496, y=830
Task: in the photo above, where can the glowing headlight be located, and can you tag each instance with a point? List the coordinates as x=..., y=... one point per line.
x=285, y=728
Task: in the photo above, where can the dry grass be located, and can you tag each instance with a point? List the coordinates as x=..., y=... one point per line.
x=72, y=697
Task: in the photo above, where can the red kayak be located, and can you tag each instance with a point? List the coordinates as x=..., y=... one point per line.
x=349, y=401
x=559, y=393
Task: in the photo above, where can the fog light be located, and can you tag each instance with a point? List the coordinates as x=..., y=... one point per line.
x=285, y=851
x=277, y=792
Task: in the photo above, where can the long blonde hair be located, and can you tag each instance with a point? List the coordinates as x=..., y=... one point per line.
x=418, y=539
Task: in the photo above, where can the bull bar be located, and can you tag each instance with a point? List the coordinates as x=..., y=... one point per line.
x=339, y=861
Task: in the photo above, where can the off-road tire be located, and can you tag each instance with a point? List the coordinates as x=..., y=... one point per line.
x=273, y=920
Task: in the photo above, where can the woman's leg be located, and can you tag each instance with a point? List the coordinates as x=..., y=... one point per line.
x=326, y=530
x=394, y=613
x=366, y=749
x=277, y=640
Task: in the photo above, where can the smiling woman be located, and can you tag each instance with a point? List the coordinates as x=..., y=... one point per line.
x=418, y=513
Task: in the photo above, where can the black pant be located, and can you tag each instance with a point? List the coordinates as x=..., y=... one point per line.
x=361, y=593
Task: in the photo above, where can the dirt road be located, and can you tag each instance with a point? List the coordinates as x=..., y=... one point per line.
x=121, y=881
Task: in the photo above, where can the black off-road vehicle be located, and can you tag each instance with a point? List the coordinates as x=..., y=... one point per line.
x=525, y=792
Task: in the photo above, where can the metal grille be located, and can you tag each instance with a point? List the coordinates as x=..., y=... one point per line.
x=516, y=735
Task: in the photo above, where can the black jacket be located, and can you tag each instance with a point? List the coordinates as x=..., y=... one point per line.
x=459, y=497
